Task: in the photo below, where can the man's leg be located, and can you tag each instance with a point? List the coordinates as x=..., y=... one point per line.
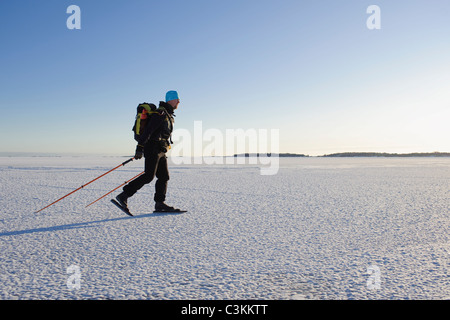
x=162, y=174
x=151, y=164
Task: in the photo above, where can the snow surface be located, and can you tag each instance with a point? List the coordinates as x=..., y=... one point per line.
x=309, y=232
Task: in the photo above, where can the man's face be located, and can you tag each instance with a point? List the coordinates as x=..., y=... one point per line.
x=174, y=103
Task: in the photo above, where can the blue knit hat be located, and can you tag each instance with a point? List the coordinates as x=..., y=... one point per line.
x=171, y=95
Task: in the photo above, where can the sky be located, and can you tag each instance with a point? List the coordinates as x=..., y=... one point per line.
x=311, y=69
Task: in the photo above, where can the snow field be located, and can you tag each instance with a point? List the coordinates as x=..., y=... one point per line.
x=309, y=232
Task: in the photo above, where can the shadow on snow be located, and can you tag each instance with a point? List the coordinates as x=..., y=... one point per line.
x=83, y=224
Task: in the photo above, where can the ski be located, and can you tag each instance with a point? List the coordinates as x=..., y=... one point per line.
x=170, y=211
x=121, y=208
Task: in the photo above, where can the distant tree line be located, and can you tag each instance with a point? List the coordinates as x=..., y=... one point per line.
x=269, y=154
x=353, y=154
x=384, y=154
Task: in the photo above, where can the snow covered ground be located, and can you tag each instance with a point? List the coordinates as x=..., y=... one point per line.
x=322, y=228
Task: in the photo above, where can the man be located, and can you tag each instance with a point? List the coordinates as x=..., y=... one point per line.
x=153, y=144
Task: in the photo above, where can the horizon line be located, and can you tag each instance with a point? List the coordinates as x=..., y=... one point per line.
x=268, y=154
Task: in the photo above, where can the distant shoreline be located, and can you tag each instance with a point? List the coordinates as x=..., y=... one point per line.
x=384, y=154
x=246, y=155
x=356, y=154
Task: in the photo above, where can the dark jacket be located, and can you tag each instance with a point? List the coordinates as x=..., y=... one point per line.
x=159, y=129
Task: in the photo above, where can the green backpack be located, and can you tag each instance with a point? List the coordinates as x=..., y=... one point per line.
x=144, y=112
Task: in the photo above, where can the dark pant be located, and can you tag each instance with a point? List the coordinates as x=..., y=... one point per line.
x=155, y=164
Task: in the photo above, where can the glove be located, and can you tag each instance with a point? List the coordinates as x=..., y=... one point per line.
x=139, y=152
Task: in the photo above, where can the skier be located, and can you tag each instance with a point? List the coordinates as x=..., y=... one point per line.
x=153, y=144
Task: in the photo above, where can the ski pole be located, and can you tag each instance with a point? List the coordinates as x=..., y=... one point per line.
x=122, y=164
x=116, y=188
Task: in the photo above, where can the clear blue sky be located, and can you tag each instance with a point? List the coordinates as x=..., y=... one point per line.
x=311, y=69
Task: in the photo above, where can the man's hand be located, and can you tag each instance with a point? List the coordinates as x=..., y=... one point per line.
x=139, y=152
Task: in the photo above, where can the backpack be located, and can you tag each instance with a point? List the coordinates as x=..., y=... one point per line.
x=143, y=114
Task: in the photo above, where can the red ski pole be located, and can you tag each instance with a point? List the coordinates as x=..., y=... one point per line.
x=122, y=164
x=116, y=188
